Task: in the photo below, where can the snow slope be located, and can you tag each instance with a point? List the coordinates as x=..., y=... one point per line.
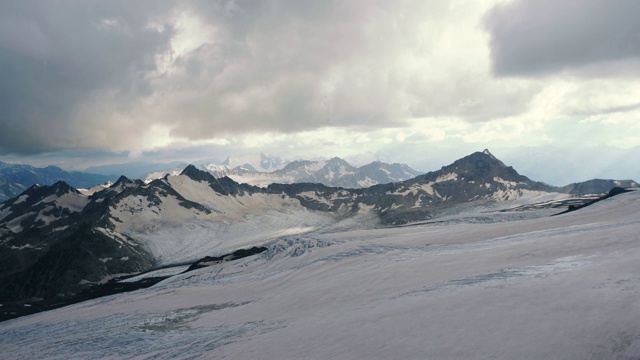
x=176, y=234
x=563, y=287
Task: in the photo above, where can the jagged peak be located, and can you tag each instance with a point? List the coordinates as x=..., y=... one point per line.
x=189, y=169
x=124, y=182
x=121, y=180
x=34, y=186
x=61, y=188
x=58, y=188
x=196, y=174
x=485, y=156
x=296, y=164
x=61, y=185
x=340, y=162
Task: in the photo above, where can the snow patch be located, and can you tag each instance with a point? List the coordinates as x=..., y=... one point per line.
x=14, y=224
x=5, y=212
x=95, y=189
x=21, y=199
x=447, y=177
x=25, y=246
x=507, y=184
x=367, y=182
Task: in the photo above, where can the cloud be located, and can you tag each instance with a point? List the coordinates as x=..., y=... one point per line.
x=139, y=76
x=56, y=56
x=195, y=79
x=589, y=38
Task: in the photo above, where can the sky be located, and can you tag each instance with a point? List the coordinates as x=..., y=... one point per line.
x=550, y=87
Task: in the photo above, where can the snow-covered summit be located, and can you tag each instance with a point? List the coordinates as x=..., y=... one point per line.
x=332, y=172
x=255, y=162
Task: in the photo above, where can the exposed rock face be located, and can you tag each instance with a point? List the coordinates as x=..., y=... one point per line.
x=597, y=186
x=479, y=178
x=51, y=246
x=223, y=185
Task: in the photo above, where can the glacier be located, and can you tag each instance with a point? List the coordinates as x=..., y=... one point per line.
x=562, y=287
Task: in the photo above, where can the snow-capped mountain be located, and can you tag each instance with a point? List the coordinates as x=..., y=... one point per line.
x=56, y=241
x=253, y=165
x=15, y=179
x=338, y=172
x=174, y=171
x=332, y=172
x=255, y=162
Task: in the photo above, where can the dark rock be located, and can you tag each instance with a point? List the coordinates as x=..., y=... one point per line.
x=238, y=254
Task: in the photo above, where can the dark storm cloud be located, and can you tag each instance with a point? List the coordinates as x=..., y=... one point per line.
x=76, y=74
x=134, y=76
x=538, y=37
x=55, y=55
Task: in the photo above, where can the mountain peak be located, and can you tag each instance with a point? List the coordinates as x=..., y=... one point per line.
x=339, y=161
x=194, y=173
x=255, y=162
x=188, y=169
x=122, y=180
x=479, y=166
x=61, y=187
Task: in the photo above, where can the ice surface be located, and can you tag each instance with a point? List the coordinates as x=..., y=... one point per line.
x=174, y=234
x=562, y=287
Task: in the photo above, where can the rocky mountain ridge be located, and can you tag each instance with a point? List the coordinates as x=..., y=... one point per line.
x=334, y=172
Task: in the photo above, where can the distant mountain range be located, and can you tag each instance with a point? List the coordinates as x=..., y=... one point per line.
x=262, y=170
x=141, y=170
x=56, y=241
x=132, y=170
x=255, y=162
x=14, y=179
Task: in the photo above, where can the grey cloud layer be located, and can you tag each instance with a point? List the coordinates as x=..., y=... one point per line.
x=54, y=58
x=106, y=74
x=592, y=37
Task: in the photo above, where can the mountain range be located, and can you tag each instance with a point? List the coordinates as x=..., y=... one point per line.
x=15, y=178
x=256, y=169
x=57, y=241
x=140, y=170
x=263, y=170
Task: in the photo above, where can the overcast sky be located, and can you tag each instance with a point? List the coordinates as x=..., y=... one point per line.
x=550, y=87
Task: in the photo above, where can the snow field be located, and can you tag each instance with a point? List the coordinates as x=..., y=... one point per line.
x=563, y=287
x=175, y=235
